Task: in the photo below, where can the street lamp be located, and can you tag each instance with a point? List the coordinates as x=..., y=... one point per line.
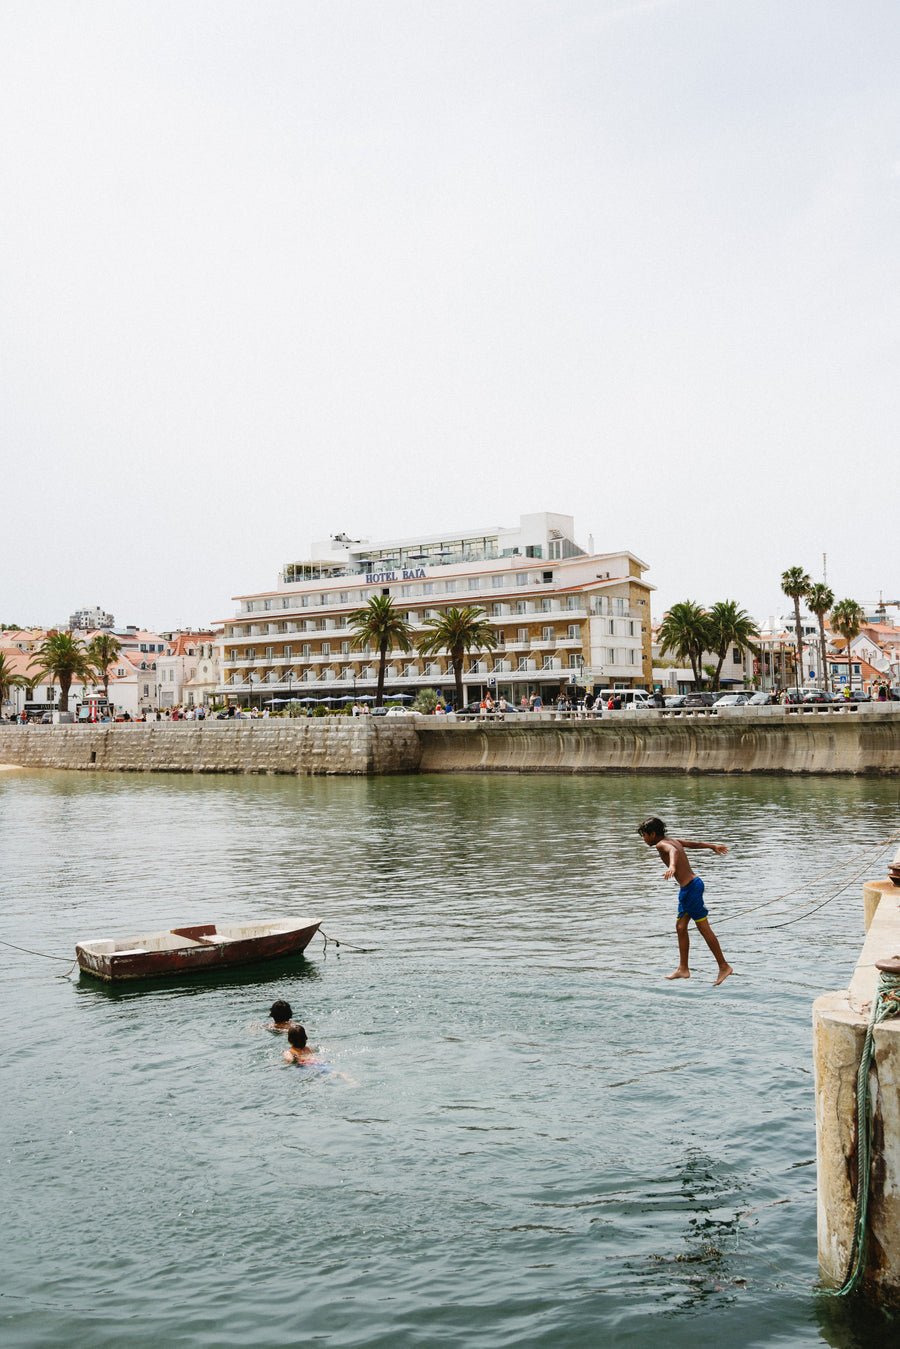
x=290, y=681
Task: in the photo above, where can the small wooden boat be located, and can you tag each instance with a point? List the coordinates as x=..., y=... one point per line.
x=187, y=950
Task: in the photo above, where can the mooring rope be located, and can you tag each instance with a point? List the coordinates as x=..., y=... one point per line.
x=28, y=951
x=335, y=941
x=885, y=1004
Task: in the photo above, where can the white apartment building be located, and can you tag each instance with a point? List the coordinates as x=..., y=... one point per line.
x=562, y=615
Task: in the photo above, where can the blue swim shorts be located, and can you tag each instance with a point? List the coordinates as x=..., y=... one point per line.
x=690, y=901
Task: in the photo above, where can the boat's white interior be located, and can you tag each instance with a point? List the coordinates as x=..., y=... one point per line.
x=169, y=941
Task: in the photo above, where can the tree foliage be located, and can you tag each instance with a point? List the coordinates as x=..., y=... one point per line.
x=63, y=657
x=686, y=631
x=729, y=625
x=795, y=583
x=458, y=631
x=103, y=651
x=9, y=679
x=383, y=627
x=819, y=600
x=847, y=617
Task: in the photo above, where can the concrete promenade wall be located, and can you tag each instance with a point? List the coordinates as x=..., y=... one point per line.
x=741, y=741
x=343, y=745
x=736, y=741
x=839, y=1032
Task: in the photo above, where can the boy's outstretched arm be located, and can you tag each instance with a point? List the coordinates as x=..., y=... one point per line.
x=669, y=855
x=713, y=847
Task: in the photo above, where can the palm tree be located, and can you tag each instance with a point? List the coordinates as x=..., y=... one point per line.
x=686, y=630
x=730, y=626
x=380, y=625
x=819, y=599
x=458, y=631
x=795, y=583
x=103, y=650
x=9, y=679
x=63, y=657
x=848, y=617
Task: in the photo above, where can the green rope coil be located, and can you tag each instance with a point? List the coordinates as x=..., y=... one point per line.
x=885, y=1004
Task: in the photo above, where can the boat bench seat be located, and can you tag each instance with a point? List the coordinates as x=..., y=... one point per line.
x=134, y=951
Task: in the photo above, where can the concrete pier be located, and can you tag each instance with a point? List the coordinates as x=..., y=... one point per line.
x=839, y=1031
x=740, y=740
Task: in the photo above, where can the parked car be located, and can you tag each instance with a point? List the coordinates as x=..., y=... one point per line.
x=731, y=700
x=815, y=696
x=676, y=700
x=760, y=699
x=47, y=719
x=699, y=699
x=792, y=697
x=860, y=696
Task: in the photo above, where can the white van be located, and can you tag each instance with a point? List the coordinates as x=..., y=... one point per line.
x=629, y=697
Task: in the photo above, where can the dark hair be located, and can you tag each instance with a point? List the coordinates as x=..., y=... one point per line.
x=653, y=826
x=280, y=1011
x=297, y=1037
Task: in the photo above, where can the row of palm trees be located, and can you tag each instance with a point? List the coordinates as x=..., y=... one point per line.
x=688, y=630
x=847, y=617
x=458, y=631
x=63, y=657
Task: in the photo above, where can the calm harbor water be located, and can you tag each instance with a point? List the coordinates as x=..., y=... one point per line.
x=544, y=1143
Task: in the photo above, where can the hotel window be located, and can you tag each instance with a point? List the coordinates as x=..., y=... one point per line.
x=249, y=606
x=286, y=602
x=345, y=648
x=497, y=610
x=523, y=663
x=474, y=582
x=610, y=656
x=521, y=606
x=325, y=599
x=573, y=602
x=522, y=635
x=546, y=576
x=547, y=634
x=287, y=653
x=500, y=637
x=304, y=601
x=546, y=605
x=620, y=606
x=267, y=604
x=406, y=591
x=326, y=648
x=451, y=586
x=269, y=652
x=428, y=587
x=573, y=662
x=305, y=651
x=573, y=631
x=344, y=597
x=250, y=653
x=521, y=578
x=497, y=582
x=735, y=654
x=631, y=633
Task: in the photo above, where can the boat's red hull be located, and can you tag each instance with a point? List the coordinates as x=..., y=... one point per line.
x=208, y=954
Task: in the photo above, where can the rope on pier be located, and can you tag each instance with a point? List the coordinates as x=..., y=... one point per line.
x=885, y=1004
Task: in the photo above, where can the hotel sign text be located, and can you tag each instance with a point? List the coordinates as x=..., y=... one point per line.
x=411, y=574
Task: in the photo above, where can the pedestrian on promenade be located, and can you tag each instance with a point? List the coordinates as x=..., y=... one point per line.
x=690, y=895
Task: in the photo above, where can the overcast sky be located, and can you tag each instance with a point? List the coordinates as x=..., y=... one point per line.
x=270, y=271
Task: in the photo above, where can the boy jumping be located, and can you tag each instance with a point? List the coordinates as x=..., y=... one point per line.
x=690, y=895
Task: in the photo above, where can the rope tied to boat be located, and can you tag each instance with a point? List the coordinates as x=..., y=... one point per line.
x=335, y=941
x=885, y=1004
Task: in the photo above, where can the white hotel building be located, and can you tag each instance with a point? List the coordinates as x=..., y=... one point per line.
x=562, y=616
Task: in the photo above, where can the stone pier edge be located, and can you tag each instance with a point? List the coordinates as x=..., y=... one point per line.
x=866, y=743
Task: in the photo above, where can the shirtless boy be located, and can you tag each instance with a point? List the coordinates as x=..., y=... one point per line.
x=690, y=895
x=298, y=1051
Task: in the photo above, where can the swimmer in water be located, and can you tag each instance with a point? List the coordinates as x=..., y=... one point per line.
x=281, y=1015
x=297, y=1050
x=690, y=895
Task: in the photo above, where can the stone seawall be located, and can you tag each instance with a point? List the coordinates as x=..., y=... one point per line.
x=867, y=742
x=353, y=746
x=738, y=742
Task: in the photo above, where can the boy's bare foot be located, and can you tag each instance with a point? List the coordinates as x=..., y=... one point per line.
x=723, y=975
x=684, y=974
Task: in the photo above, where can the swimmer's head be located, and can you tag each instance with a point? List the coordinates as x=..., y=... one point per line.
x=297, y=1037
x=652, y=830
x=280, y=1011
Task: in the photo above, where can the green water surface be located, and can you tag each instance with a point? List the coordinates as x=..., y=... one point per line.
x=543, y=1143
